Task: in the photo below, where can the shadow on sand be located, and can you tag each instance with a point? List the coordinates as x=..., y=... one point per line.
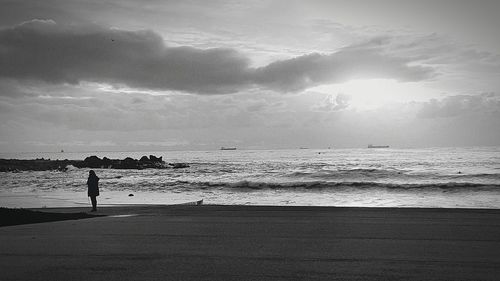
x=23, y=216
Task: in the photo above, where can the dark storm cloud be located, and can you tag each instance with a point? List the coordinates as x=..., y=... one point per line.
x=44, y=50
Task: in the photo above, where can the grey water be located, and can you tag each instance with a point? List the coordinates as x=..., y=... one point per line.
x=431, y=177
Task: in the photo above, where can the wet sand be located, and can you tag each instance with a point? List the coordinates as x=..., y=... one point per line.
x=256, y=243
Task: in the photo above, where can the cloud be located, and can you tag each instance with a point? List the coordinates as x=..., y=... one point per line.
x=353, y=62
x=43, y=50
x=334, y=103
x=13, y=89
x=457, y=105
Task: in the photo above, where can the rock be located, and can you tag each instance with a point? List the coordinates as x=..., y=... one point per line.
x=129, y=163
x=144, y=159
x=93, y=162
x=179, y=165
x=155, y=159
x=106, y=162
x=40, y=164
x=62, y=168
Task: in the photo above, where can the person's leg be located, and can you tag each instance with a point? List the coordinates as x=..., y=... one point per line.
x=94, y=202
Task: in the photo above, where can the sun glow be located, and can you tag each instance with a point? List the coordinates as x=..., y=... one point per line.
x=374, y=93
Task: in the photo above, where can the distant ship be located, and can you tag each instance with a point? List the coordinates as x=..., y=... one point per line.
x=377, y=146
x=228, y=148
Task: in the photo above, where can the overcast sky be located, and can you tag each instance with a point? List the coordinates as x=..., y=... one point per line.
x=161, y=75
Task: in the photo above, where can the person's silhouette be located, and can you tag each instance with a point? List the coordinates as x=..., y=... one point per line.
x=93, y=189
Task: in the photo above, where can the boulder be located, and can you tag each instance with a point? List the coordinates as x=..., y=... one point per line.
x=144, y=159
x=41, y=164
x=93, y=162
x=129, y=163
x=155, y=159
x=179, y=165
x=106, y=162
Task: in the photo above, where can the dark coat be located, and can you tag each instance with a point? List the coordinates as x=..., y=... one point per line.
x=93, y=186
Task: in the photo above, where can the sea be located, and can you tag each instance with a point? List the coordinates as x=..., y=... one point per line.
x=466, y=177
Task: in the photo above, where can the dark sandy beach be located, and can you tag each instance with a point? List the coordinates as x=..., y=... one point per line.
x=256, y=243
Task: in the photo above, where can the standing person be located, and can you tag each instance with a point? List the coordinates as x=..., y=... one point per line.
x=93, y=189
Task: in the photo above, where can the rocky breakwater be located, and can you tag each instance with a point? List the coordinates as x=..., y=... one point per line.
x=15, y=165
x=127, y=163
x=151, y=162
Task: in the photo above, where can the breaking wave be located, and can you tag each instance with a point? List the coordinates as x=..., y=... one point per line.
x=349, y=185
x=353, y=174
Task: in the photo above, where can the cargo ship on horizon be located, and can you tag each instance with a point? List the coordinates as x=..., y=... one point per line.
x=228, y=148
x=377, y=146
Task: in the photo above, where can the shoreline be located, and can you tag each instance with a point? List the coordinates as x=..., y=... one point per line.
x=382, y=199
x=277, y=207
x=214, y=242
x=68, y=199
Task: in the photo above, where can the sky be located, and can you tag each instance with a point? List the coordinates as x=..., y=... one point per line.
x=120, y=75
